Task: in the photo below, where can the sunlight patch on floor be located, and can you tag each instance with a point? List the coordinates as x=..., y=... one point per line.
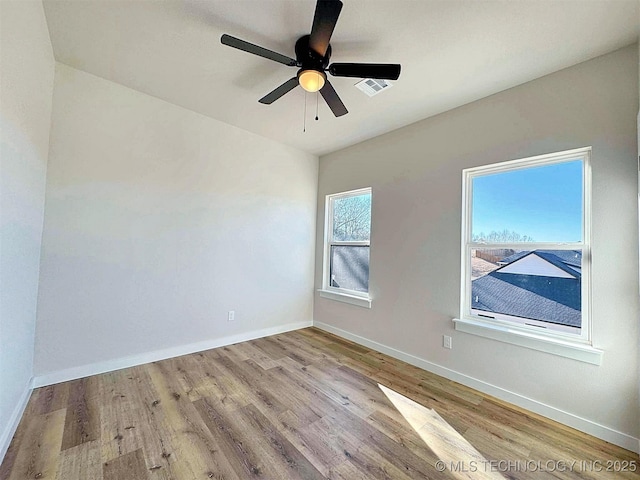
x=461, y=459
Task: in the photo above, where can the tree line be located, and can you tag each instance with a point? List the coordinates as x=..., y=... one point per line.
x=505, y=236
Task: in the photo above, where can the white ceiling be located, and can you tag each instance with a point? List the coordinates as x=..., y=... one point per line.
x=452, y=52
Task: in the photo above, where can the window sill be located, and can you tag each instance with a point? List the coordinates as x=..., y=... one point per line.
x=346, y=298
x=576, y=351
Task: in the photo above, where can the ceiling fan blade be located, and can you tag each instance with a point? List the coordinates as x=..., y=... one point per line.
x=256, y=50
x=333, y=100
x=384, y=71
x=274, y=95
x=324, y=21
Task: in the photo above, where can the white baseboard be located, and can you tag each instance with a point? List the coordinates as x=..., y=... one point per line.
x=584, y=425
x=74, y=373
x=10, y=429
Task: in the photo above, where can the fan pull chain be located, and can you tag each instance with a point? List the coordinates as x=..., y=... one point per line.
x=317, y=95
x=304, y=118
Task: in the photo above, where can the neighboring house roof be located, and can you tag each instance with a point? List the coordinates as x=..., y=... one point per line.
x=570, y=257
x=560, y=258
x=554, y=299
x=514, y=257
x=550, y=299
x=564, y=259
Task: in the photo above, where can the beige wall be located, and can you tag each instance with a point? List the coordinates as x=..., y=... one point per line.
x=160, y=220
x=638, y=140
x=415, y=173
x=26, y=77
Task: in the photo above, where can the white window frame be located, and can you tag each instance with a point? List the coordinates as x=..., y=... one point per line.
x=515, y=331
x=353, y=297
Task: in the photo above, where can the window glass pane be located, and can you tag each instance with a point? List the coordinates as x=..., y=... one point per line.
x=536, y=204
x=542, y=285
x=349, y=268
x=352, y=218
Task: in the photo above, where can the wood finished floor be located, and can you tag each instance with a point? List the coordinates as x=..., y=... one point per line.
x=300, y=405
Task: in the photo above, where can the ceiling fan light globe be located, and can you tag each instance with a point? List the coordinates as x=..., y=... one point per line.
x=311, y=80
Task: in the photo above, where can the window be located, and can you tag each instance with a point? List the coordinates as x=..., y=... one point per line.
x=525, y=253
x=346, y=252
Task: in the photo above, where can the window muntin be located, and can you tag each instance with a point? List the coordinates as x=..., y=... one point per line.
x=526, y=258
x=346, y=258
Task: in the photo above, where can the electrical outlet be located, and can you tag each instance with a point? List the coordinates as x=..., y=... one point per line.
x=446, y=341
x=231, y=316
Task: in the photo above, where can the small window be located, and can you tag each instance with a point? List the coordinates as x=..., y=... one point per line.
x=346, y=255
x=525, y=256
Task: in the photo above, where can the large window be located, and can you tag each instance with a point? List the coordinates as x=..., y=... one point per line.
x=525, y=252
x=346, y=254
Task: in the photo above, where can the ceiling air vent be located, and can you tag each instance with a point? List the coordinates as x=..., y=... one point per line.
x=372, y=86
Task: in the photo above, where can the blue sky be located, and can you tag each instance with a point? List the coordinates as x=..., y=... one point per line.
x=542, y=202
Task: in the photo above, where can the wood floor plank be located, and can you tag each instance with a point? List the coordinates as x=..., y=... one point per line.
x=82, y=423
x=295, y=400
x=313, y=399
x=48, y=399
x=216, y=381
x=374, y=465
x=151, y=428
x=495, y=446
x=191, y=449
x=255, y=354
x=299, y=405
x=260, y=392
x=394, y=428
x=290, y=460
x=321, y=378
x=119, y=414
x=82, y=461
x=277, y=349
x=383, y=446
x=234, y=441
x=193, y=374
x=126, y=467
x=38, y=456
x=323, y=444
x=346, y=471
x=311, y=350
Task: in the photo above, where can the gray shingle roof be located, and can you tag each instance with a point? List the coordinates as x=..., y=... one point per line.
x=563, y=259
x=569, y=257
x=514, y=257
x=550, y=299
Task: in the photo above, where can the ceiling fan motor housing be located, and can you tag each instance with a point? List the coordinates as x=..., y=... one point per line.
x=309, y=59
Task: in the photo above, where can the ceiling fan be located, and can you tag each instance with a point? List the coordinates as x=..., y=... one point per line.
x=312, y=58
